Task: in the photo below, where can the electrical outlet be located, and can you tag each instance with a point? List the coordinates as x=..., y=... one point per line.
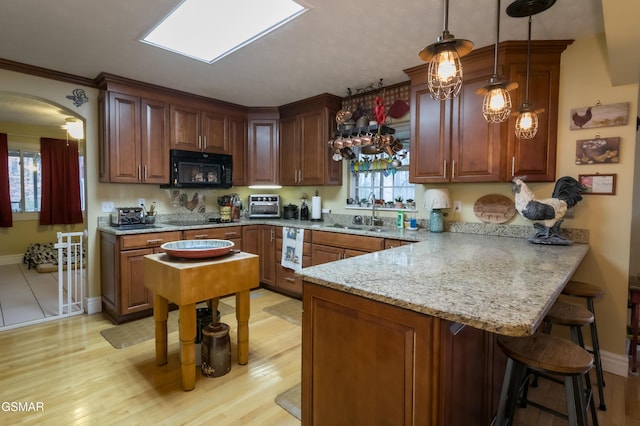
x=457, y=206
x=107, y=206
x=141, y=202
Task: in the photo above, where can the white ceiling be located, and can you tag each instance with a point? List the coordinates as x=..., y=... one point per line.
x=336, y=45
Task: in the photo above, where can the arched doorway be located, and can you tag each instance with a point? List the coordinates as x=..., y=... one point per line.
x=29, y=295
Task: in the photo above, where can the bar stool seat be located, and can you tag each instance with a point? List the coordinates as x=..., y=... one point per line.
x=546, y=354
x=590, y=292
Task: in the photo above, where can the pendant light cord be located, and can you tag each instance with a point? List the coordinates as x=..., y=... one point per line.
x=495, y=50
x=446, y=16
x=526, y=90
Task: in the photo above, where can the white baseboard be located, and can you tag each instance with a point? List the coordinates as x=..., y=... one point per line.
x=11, y=259
x=93, y=305
x=615, y=364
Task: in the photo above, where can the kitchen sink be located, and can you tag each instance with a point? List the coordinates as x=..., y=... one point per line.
x=357, y=227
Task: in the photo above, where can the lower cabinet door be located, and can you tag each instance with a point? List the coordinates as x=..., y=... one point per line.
x=134, y=295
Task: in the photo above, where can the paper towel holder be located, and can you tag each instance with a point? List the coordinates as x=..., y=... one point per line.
x=316, y=208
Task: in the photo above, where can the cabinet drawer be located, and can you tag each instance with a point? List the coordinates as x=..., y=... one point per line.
x=306, y=247
x=392, y=243
x=153, y=239
x=355, y=242
x=220, y=233
x=306, y=238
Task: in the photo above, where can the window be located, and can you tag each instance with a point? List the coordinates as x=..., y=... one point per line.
x=25, y=184
x=374, y=175
x=25, y=180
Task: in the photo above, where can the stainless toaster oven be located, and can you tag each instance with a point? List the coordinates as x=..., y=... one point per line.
x=264, y=206
x=127, y=216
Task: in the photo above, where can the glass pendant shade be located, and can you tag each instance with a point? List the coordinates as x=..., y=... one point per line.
x=445, y=74
x=526, y=124
x=496, y=106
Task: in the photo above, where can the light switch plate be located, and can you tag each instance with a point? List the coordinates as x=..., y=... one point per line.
x=141, y=202
x=457, y=206
x=107, y=206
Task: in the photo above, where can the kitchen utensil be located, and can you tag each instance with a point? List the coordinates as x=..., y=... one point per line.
x=290, y=211
x=494, y=208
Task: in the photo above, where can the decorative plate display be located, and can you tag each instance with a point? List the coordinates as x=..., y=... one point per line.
x=494, y=208
x=197, y=249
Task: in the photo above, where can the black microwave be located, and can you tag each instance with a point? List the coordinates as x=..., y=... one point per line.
x=191, y=169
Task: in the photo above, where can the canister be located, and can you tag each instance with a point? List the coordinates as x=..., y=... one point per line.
x=216, y=350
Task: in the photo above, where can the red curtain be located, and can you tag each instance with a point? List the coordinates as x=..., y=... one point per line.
x=6, y=218
x=60, y=201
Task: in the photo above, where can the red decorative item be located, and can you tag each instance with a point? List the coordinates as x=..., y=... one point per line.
x=381, y=116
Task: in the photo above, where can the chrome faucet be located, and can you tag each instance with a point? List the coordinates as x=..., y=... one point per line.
x=372, y=199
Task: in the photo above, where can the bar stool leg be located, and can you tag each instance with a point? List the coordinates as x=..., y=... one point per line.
x=596, y=354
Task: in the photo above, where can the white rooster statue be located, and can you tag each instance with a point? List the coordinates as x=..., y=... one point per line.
x=550, y=211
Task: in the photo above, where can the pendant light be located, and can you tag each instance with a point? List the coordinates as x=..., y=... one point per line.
x=496, y=106
x=527, y=122
x=445, y=69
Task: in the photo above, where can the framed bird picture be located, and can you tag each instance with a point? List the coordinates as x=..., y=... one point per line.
x=599, y=116
x=598, y=184
x=598, y=150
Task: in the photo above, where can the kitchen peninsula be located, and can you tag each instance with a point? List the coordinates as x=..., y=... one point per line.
x=407, y=336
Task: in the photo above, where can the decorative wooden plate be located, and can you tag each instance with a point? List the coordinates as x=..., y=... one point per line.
x=197, y=249
x=494, y=208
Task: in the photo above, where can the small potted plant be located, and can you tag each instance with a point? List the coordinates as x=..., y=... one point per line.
x=399, y=202
x=411, y=204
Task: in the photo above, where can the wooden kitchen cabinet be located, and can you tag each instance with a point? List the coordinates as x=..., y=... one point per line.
x=268, y=254
x=262, y=147
x=392, y=243
x=452, y=142
x=331, y=246
x=367, y=362
x=534, y=158
x=134, y=139
x=124, y=295
x=305, y=128
x=238, y=142
x=286, y=280
x=231, y=233
x=199, y=129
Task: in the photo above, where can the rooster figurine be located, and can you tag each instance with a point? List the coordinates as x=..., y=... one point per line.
x=566, y=194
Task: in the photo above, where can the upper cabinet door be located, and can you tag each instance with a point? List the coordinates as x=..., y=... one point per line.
x=476, y=145
x=263, y=152
x=215, y=132
x=155, y=120
x=124, y=138
x=429, y=146
x=238, y=142
x=185, y=128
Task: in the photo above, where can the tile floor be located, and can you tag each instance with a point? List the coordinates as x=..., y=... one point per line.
x=26, y=295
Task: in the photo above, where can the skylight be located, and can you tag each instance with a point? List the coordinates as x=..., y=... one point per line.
x=209, y=30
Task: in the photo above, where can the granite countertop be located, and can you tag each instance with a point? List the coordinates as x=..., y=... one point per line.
x=499, y=284
x=382, y=232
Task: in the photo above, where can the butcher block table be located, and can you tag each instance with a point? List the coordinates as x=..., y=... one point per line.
x=187, y=282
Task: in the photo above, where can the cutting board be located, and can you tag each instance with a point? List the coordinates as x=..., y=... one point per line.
x=494, y=208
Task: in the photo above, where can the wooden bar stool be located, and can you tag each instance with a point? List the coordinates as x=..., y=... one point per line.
x=590, y=292
x=549, y=355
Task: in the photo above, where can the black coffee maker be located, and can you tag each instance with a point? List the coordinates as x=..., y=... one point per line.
x=304, y=211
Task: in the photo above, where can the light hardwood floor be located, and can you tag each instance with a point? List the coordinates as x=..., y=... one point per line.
x=81, y=379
